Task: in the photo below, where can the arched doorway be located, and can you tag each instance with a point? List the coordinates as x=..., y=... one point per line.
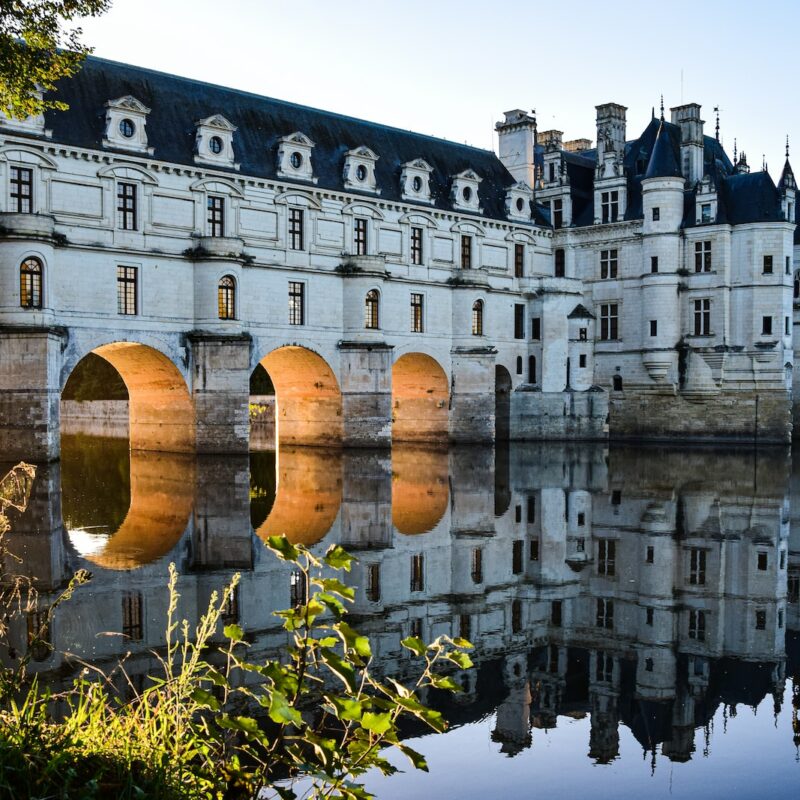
x=308, y=401
x=420, y=395
x=159, y=406
x=502, y=403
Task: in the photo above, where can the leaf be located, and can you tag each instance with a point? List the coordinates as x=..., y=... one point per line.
x=338, y=558
x=462, y=659
x=205, y=699
x=283, y=548
x=445, y=682
x=282, y=712
x=417, y=759
x=376, y=723
x=233, y=632
x=345, y=707
x=463, y=643
x=414, y=644
x=333, y=603
x=335, y=586
x=339, y=667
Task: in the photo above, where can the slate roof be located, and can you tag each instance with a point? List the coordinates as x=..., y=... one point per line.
x=177, y=103
x=745, y=197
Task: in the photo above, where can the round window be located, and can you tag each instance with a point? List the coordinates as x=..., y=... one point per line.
x=520, y=204
x=296, y=160
x=361, y=173
x=215, y=145
x=467, y=194
x=127, y=128
x=416, y=184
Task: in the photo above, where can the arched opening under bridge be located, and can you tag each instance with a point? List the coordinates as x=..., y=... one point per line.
x=420, y=399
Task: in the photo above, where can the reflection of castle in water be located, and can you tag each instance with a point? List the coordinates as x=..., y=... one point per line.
x=638, y=587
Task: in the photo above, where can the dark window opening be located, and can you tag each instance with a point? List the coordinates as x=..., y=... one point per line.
x=216, y=215
x=21, y=190
x=296, y=234
x=560, y=263
x=31, y=273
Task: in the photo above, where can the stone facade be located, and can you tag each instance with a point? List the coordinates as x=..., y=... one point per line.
x=382, y=277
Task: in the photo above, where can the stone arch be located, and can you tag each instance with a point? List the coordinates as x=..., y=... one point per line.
x=308, y=400
x=420, y=399
x=308, y=495
x=160, y=408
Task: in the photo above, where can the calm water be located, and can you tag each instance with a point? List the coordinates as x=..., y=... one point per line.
x=635, y=612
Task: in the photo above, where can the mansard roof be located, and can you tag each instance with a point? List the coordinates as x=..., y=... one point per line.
x=754, y=199
x=177, y=103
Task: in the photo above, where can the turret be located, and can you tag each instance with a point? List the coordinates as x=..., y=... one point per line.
x=788, y=188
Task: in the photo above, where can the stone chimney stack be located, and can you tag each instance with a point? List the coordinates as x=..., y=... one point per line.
x=688, y=118
x=610, y=130
x=517, y=135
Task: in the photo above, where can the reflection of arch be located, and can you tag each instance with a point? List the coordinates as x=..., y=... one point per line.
x=308, y=400
x=161, y=501
x=160, y=408
x=419, y=488
x=502, y=398
x=420, y=394
x=308, y=495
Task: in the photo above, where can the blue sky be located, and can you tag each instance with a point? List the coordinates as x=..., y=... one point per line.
x=451, y=68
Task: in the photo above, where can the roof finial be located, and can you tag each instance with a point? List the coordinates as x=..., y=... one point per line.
x=716, y=111
x=787, y=145
x=734, y=152
x=763, y=162
x=662, y=107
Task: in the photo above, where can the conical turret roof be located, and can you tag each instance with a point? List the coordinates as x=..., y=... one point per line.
x=663, y=161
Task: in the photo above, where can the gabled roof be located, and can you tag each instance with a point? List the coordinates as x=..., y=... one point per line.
x=580, y=312
x=177, y=103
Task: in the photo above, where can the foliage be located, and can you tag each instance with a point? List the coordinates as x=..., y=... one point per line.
x=218, y=723
x=37, y=48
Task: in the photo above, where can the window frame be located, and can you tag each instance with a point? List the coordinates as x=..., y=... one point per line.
x=127, y=206
x=609, y=206
x=416, y=245
x=372, y=310
x=297, y=302
x=226, y=298
x=417, y=306
x=215, y=215
x=31, y=283
x=360, y=236
x=466, y=251
x=477, y=318
x=519, y=260
x=128, y=290
x=609, y=322
x=20, y=198
x=296, y=228
x=609, y=263
x=702, y=316
x=702, y=256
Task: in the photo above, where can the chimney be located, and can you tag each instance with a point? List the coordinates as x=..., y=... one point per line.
x=578, y=145
x=687, y=117
x=517, y=138
x=610, y=129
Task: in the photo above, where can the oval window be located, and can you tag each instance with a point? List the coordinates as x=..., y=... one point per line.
x=416, y=184
x=467, y=194
x=520, y=204
x=296, y=160
x=215, y=145
x=127, y=128
x=361, y=173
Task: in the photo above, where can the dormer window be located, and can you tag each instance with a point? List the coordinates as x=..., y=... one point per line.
x=126, y=118
x=415, y=181
x=464, y=193
x=518, y=201
x=33, y=124
x=294, y=157
x=214, y=142
x=359, y=170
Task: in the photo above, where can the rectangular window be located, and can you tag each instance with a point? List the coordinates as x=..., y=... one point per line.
x=793, y=589
x=697, y=567
x=583, y=334
x=132, y=618
x=582, y=361
x=556, y=613
x=604, y=672
x=761, y=620
x=531, y=508
x=374, y=583
x=516, y=556
x=127, y=279
x=656, y=214
x=768, y=265
x=296, y=232
x=697, y=625
x=126, y=206
x=534, y=555
x=608, y=263
x=560, y=263
x=297, y=305
x=653, y=263
x=788, y=265
x=616, y=497
x=415, y=627
x=654, y=327
x=360, y=236
x=702, y=317
x=476, y=569
x=609, y=203
x=465, y=626
x=702, y=256
x=705, y=213
x=416, y=246
x=516, y=616
x=417, y=309
x=519, y=260
x=466, y=252
x=298, y=589
x=649, y=616
x=787, y=326
x=417, y=573
x=216, y=215
x=536, y=328
x=607, y=557
x=558, y=213
x=519, y=321
x=605, y=614
x=22, y=190
x=762, y=561
x=650, y=556
x=766, y=326
x=609, y=322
